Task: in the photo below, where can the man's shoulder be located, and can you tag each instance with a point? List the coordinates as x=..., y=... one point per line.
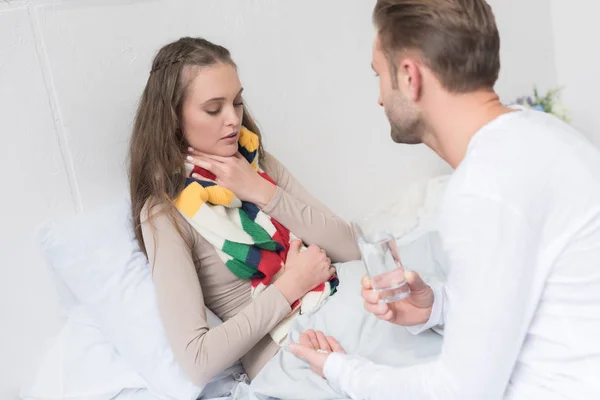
x=517, y=154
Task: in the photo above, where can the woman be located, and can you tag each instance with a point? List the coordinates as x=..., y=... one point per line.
x=212, y=212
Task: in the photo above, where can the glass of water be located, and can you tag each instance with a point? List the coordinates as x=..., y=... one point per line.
x=380, y=255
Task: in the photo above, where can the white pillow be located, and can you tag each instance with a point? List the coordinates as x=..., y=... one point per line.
x=415, y=227
x=416, y=210
x=82, y=365
x=98, y=259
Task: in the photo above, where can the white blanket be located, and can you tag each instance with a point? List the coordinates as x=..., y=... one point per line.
x=344, y=317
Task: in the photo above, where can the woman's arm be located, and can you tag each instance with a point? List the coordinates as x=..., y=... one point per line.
x=307, y=217
x=201, y=352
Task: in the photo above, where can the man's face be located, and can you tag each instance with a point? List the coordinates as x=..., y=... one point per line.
x=407, y=125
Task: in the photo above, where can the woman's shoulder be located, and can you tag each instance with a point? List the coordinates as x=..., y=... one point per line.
x=159, y=218
x=159, y=211
x=152, y=209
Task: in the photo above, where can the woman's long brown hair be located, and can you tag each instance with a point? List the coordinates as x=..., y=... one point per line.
x=158, y=146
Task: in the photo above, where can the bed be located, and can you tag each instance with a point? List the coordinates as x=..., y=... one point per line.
x=112, y=346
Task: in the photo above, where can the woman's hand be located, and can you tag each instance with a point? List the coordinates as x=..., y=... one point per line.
x=315, y=348
x=236, y=174
x=303, y=271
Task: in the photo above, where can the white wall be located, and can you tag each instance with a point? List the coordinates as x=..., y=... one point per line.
x=526, y=48
x=72, y=70
x=576, y=32
x=35, y=186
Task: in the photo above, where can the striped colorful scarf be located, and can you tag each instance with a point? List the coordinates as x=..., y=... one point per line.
x=251, y=244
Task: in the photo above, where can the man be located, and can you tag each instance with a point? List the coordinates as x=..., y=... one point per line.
x=520, y=224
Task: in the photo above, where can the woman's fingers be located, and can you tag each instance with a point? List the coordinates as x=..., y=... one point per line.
x=205, y=163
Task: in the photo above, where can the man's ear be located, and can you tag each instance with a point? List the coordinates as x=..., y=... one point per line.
x=409, y=78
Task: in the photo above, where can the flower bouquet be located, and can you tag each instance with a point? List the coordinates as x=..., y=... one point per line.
x=549, y=103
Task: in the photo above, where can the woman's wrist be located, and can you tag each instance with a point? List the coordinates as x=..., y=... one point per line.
x=264, y=193
x=287, y=287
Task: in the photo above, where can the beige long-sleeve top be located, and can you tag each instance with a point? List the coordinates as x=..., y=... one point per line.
x=187, y=281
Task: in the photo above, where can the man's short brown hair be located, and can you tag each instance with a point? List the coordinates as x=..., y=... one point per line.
x=457, y=39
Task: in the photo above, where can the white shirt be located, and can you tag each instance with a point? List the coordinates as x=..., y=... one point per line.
x=520, y=224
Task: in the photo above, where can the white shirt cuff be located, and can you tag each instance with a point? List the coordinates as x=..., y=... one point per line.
x=333, y=369
x=436, y=319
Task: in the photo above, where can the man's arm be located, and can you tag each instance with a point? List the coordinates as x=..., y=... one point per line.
x=436, y=319
x=490, y=296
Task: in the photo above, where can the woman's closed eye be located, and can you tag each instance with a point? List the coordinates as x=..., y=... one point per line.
x=216, y=111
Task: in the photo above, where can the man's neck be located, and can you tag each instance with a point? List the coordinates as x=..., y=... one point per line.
x=456, y=118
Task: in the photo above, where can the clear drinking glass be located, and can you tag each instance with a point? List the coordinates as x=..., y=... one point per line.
x=380, y=255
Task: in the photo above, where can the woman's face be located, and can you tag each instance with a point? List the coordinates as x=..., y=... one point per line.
x=212, y=111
